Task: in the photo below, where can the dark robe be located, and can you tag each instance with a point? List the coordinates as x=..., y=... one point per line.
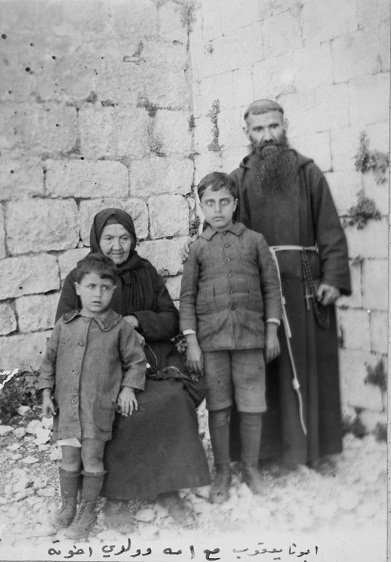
x=157, y=449
x=306, y=216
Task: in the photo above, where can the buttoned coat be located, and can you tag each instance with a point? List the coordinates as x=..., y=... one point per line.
x=229, y=288
x=86, y=363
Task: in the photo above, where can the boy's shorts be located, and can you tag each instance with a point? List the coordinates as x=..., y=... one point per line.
x=235, y=373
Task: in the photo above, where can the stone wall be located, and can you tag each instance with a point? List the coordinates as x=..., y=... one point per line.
x=130, y=102
x=327, y=62
x=95, y=112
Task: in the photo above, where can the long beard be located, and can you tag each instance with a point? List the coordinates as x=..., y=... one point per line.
x=274, y=169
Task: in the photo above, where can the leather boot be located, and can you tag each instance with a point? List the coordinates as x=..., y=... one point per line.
x=86, y=515
x=250, y=436
x=219, y=490
x=69, y=484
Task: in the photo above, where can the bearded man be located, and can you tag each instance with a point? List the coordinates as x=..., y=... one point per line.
x=285, y=196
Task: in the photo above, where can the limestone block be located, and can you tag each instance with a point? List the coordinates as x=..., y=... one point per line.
x=2, y=233
x=354, y=327
x=205, y=163
x=20, y=177
x=378, y=330
x=165, y=54
x=242, y=86
x=379, y=192
x=49, y=128
x=372, y=13
x=81, y=178
x=113, y=132
x=378, y=135
x=300, y=110
x=322, y=21
x=206, y=135
x=23, y=351
x=171, y=22
x=215, y=88
x=344, y=187
x=173, y=285
x=222, y=53
x=274, y=77
x=138, y=18
x=7, y=319
x=211, y=20
x=355, y=299
x=119, y=81
x=164, y=254
x=233, y=17
x=316, y=147
x=171, y=131
x=375, y=284
x=36, y=312
x=40, y=225
x=230, y=129
x=313, y=67
x=135, y=207
x=361, y=53
x=202, y=59
x=353, y=373
x=281, y=34
x=368, y=99
x=268, y=8
x=232, y=157
x=169, y=216
x=165, y=88
x=159, y=175
x=370, y=242
x=28, y=275
x=335, y=97
x=344, y=145
x=246, y=45
x=68, y=261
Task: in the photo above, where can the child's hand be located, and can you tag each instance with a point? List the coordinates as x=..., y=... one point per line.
x=48, y=409
x=272, y=345
x=193, y=356
x=127, y=401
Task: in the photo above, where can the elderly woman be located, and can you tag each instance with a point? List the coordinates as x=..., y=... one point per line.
x=157, y=450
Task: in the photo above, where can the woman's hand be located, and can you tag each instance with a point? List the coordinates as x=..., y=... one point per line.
x=48, y=409
x=272, y=345
x=193, y=354
x=127, y=401
x=132, y=320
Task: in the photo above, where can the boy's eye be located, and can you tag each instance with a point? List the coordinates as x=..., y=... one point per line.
x=90, y=286
x=106, y=288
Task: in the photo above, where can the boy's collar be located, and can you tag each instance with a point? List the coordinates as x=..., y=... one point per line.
x=236, y=228
x=106, y=321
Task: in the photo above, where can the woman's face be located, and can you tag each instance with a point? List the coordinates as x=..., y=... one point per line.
x=116, y=242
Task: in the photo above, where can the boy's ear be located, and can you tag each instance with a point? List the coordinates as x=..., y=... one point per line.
x=77, y=288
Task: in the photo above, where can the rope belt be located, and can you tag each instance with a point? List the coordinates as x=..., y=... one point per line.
x=285, y=321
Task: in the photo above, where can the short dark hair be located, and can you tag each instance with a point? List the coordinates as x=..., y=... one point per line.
x=217, y=181
x=99, y=264
x=258, y=107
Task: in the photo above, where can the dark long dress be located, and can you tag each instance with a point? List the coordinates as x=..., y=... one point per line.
x=158, y=448
x=305, y=217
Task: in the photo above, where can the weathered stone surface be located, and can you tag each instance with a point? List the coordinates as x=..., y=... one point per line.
x=300, y=110
x=211, y=89
x=378, y=330
x=113, y=132
x=230, y=130
x=36, y=312
x=7, y=319
x=172, y=24
x=41, y=224
x=355, y=299
x=159, y=175
x=169, y=215
x=24, y=351
x=362, y=93
x=172, y=133
x=344, y=187
x=375, y=284
x=281, y=34
x=206, y=136
x=353, y=373
x=320, y=22
x=164, y=254
x=68, y=260
x=312, y=66
x=316, y=147
x=165, y=54
x=370, y=242
x=82, y=178
x=246, y=47
x=242, y=85
x=371, y=13
x=335, y=96
x=2, y=233
x=354, y=326
x=135, y=207
x=173, y=285
x=20, y=177
x=48, y=128
x=344, y=146
x=206, y=162
x=378, y=192
x=28, y=275
x=165, y=88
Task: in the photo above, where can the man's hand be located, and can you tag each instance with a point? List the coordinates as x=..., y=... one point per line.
x=327, y=294
x=193, y=354
x=127, y=401
x=48, y=409
x=272, y=345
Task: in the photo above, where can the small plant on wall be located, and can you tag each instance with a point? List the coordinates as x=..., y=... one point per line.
x=377, y=376
x=364, y=211
x=371, y=160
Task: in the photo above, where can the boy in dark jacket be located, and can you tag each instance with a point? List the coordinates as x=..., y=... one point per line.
x=230, y=308
x=93, y=361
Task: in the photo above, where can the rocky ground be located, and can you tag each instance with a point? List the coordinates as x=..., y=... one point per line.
x=335, y=514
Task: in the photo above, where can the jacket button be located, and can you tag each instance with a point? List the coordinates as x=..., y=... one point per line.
x=81, y=343
x=226, y=245
x=74, y=401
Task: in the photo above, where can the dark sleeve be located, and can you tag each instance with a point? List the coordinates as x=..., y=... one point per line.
x=329, y=234
x=189, y=288
x=68, y=298
x=48, y=365
x=161, y=323
x=270, y=284
x=132, y=357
